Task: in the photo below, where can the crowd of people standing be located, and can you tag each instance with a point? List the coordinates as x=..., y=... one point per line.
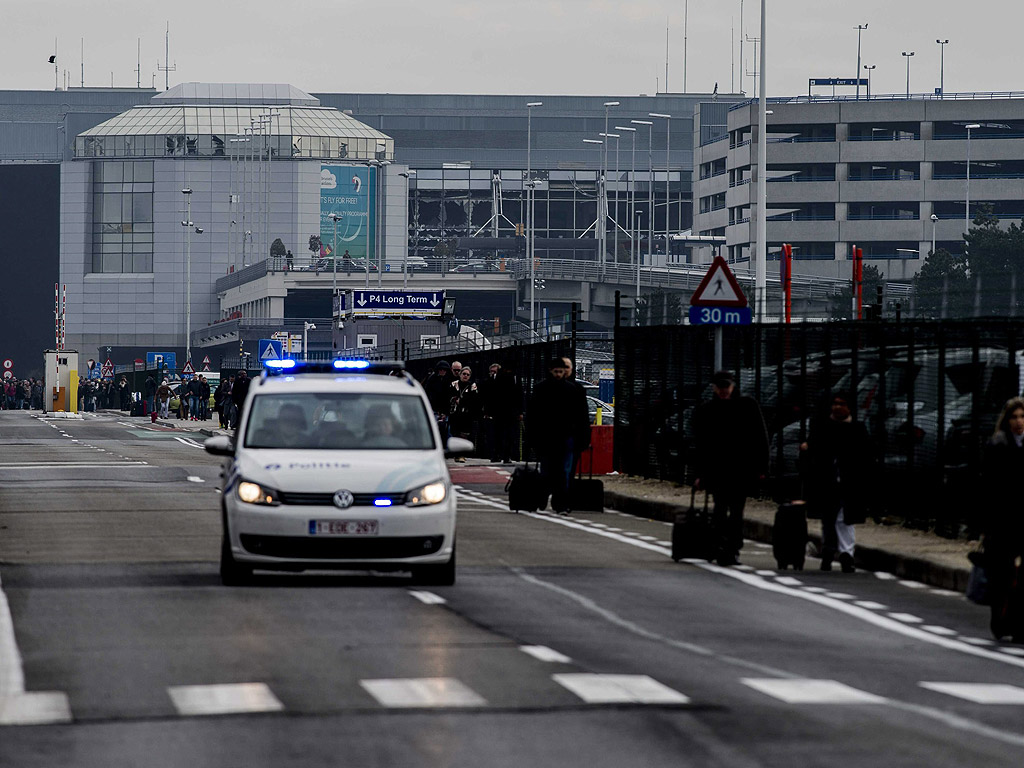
x=19, y=394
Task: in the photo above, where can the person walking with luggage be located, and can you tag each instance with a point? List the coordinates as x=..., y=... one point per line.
x=731, y=459
x=1003, y=524
x=163, y=399
x=558, y=428
x=438, y=387
x=502, y=405
x=840, y=463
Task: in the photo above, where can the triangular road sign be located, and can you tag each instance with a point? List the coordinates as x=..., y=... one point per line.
x=718, y=288
x=206, y=363
x=188, y=370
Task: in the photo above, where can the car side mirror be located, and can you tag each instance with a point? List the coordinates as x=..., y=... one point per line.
x=456, y=446
x=219, y=445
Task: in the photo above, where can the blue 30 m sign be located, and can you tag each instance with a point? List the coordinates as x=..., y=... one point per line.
x=720, y=316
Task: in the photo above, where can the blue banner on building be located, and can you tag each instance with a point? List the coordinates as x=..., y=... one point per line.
x=348, y=191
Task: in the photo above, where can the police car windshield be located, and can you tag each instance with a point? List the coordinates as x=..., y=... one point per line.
x=338, y=421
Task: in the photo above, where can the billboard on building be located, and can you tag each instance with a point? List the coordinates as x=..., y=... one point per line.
x=350, y=192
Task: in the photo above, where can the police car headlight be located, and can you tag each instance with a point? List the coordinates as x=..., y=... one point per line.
x=431, y=493
x=252, y=493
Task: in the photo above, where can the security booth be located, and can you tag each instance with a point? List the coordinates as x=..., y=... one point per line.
x=61, y=381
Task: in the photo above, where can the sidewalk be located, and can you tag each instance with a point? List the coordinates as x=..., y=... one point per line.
x=909, y=554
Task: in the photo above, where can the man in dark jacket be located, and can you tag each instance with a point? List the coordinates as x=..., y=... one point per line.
x=238, y=392
x=502, y=398
x=438, y=387
x=732, y=457
x=150, y=393
x=558, y=428
x=840, y=476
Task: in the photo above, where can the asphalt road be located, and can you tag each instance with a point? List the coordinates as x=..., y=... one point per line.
x=564, y=642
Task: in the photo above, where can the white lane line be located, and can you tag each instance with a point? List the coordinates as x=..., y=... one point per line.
x=946, y=631
x=907, y=617
x=968, y=646
x=840, y=595
x=789, y=581
x=35, y=708
x=914, y=584
x=195, y=479
x=422, y=692
x=427, y=598
x=977, y=641
x=884, y=576
x=763, y=572
x=947, y=593
x=649, y=538
x=871, y=605
x=189, y=442
x=228, y=699
x=980, y=693
x=619, y=689
x=543, y=653
x=812, y=691
x=16, y=706
x=1012, y=651
x=816, y=590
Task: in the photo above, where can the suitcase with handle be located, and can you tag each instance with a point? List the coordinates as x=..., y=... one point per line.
x=585, y=493
x=693, y=532
x=789, y=535
x=526, y=489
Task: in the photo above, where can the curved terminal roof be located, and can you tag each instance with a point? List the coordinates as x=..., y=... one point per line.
x=234, y=120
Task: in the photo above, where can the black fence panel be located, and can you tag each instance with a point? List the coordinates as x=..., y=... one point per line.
x=929, y=393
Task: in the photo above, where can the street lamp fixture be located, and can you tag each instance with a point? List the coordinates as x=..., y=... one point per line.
x=869, y=68
x=306, y=327
x=907, y=56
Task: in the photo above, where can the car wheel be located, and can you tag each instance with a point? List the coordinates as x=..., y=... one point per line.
x=442, y=575
x=232, y=572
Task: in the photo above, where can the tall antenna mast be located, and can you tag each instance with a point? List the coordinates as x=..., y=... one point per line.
x=138, y=66
x=83, y=62
x=732, y=54
x=666, y=55
x=167, y=55
x=686, y=20
x=743, y=62
x=56, y=74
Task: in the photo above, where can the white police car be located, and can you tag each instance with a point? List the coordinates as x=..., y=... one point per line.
x=337, y=466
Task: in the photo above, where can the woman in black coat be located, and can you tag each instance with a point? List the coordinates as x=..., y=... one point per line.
x=1003, y=525
x=841, y=477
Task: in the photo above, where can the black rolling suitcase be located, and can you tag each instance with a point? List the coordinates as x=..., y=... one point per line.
x=789, y=535
x=526, y=489
x=693, y=532
x=586, y=494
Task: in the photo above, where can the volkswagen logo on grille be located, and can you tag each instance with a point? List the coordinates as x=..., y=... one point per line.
x=343, y=499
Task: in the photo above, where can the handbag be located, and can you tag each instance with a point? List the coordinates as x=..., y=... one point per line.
x=978, y=590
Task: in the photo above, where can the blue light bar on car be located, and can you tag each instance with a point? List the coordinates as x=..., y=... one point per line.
x=281, y=364
x=351, y=364
x=382, y=502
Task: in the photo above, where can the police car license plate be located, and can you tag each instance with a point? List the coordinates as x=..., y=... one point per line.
x=343, y=527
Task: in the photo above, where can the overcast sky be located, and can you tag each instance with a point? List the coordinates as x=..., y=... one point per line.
x=525, y=47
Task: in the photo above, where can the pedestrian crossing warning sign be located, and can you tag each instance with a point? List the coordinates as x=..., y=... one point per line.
x=188, y=370
x=718, y=288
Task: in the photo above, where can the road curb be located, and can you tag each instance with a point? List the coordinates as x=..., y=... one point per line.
x=867, y=558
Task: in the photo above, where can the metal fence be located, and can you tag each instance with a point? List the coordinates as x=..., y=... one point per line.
x=929, y=394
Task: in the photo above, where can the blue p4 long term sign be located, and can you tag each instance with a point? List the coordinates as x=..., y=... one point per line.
x=720, y=316
x=422, y=303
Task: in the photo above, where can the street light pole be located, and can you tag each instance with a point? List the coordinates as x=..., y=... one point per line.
x=603, y=214
x=187, y=223
x=907, y=56
x=615, y=216
x=869, y=68
x=761, y=263
x=860, y=28
x=942, y=67
x=650, y=186
x=630, y=189
x=637, y=215
x=528, y=187
x=334, y=256
x=668, y=196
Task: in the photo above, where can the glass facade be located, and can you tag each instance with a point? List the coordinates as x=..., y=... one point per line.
x=122, y=218
x=450, y=203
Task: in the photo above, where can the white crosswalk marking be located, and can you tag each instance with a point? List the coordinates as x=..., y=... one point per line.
x=980, y=693
x=907, y=617
x=811, y=691
x=226, y=699
x=871, y=605
x=34, y=708
x=936, y=630
x=422, y=692
x=428, y=598
x=789, y=581
x=543, y=653
x=619, y=689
